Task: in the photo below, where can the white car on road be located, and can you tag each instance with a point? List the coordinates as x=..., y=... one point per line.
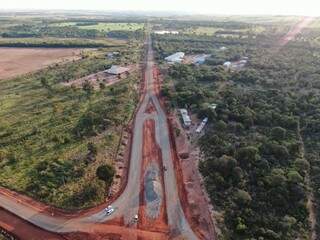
x=109, y=210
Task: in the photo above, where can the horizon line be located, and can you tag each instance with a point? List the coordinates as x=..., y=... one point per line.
x=169, y=12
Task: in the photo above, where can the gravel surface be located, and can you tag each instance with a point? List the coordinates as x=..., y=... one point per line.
x=153, y=191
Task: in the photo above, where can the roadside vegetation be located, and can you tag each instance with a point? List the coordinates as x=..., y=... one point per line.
x=262, y=141
x=56, y=141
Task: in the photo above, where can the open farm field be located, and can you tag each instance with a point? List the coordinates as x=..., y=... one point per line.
x=24, y=60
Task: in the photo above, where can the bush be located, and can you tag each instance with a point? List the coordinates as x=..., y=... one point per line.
x=242, y=198
x=105, y=173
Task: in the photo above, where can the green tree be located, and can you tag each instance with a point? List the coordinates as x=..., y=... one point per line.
x=242, y=198
x=277, y=178
x=247, y=155
x=294, y=177
x=105, y=173
x=278, y=133
x=301, y=165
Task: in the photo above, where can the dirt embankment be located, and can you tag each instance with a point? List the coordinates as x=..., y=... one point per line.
x=18, y=61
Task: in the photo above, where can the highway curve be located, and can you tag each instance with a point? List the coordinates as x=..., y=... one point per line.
x=127, y=205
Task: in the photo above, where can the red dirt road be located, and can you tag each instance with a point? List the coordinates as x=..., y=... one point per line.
x=19, y=227
x=154, y=146
x=295, y=30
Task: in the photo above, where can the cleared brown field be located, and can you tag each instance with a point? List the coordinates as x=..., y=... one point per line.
x=17, y=61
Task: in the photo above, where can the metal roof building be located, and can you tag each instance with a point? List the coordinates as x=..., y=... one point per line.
x=116, y=70
x=175, y=58
x=185, y=117
x=162, y=32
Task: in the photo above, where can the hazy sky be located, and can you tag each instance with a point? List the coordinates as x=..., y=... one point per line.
x=287, y=7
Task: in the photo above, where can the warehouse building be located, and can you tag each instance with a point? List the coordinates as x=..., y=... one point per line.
x=175, y=58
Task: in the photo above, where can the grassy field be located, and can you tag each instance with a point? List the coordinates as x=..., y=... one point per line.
x=203, y=30
x=210, y=31
x=44, y=132
x=114, y=26
x=103, y=26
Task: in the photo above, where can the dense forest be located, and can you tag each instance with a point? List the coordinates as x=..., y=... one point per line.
x=260, y=149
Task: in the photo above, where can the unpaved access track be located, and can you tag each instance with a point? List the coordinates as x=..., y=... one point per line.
x=158, y=205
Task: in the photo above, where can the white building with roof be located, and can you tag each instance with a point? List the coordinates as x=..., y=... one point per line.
x=175, y=58
x=117, y=70
x=162, y=32
x=185, y=117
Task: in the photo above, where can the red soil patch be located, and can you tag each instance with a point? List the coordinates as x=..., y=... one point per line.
x=23, y=229
x=150, y=107
x=157, y=82
x=19, y=61
x=151, y=153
